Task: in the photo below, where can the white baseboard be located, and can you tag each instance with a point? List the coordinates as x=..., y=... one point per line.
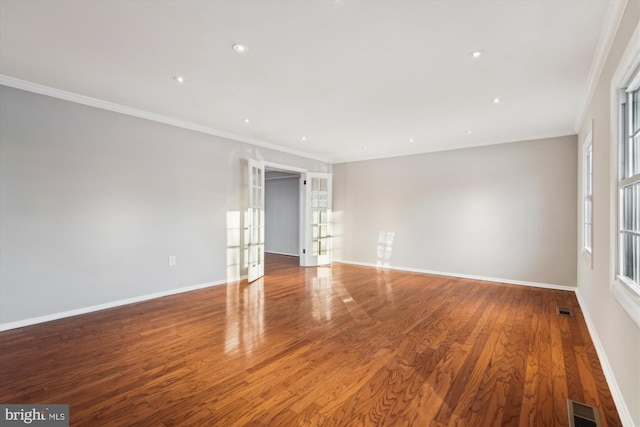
x=112, y=304
x=280, y=253
x=623, y=410
x=466, y=276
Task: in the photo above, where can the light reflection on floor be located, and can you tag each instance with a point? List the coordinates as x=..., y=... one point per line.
x=245, y=317
x=245, y=305
x=321, y=292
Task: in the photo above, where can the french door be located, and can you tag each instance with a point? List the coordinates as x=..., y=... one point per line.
x=318, y=219
x=254, y=221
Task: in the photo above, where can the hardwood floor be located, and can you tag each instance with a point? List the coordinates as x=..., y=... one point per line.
x=330, y=346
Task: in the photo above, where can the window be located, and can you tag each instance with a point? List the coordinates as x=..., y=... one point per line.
x=625, y=180
x=629, y=184
x=587, y=227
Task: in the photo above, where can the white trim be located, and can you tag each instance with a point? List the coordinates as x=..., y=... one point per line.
x=587, y=175
x=618, y=399
x=627, y=64
x=634, y=84
x=98, y=307
x=465, y=276
x=134, y=112
x=283, y=168
x=612, y=21
x=281, y=253
x=277, y=178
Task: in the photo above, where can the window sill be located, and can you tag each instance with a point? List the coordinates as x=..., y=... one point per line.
x=627, y=298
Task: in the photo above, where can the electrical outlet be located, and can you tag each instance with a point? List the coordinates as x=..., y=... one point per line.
x=172, y=260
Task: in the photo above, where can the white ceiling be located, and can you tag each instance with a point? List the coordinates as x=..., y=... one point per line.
x=392, y=76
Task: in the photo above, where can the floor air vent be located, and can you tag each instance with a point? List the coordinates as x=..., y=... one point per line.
x=564, y=311
x=581, y=415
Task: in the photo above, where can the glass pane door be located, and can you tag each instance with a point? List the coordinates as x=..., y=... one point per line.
x=319, y=213
x=255, y=221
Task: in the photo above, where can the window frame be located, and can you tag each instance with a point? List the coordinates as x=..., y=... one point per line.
x=587, y=194
x=626, y=176
x=627, y=75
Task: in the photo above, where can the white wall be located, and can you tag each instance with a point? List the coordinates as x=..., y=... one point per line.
x=505, y=211
x=617, y=334
x=93, y=202
x=282, y=212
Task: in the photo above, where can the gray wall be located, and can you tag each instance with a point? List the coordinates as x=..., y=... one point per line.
x=282, y=212
x=619, y=336
x=505, y=211
x=93, y=202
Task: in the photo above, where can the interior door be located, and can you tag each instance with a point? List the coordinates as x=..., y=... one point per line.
x=255, y=221
x=318, y=234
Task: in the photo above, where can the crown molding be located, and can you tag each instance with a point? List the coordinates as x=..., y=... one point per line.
x=142, y=114
x=612, y=22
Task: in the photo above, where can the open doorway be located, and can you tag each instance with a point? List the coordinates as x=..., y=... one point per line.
x=284, y=219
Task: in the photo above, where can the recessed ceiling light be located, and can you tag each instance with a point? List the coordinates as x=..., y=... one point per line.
x=410, y=139
x=496, y=100
x=468, y=132
x=179, y=79
x=240, y=48
x=476, y=54
x=246, y=120
x=304, y=138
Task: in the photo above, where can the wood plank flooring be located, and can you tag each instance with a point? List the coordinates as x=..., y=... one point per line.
x=329, y=346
